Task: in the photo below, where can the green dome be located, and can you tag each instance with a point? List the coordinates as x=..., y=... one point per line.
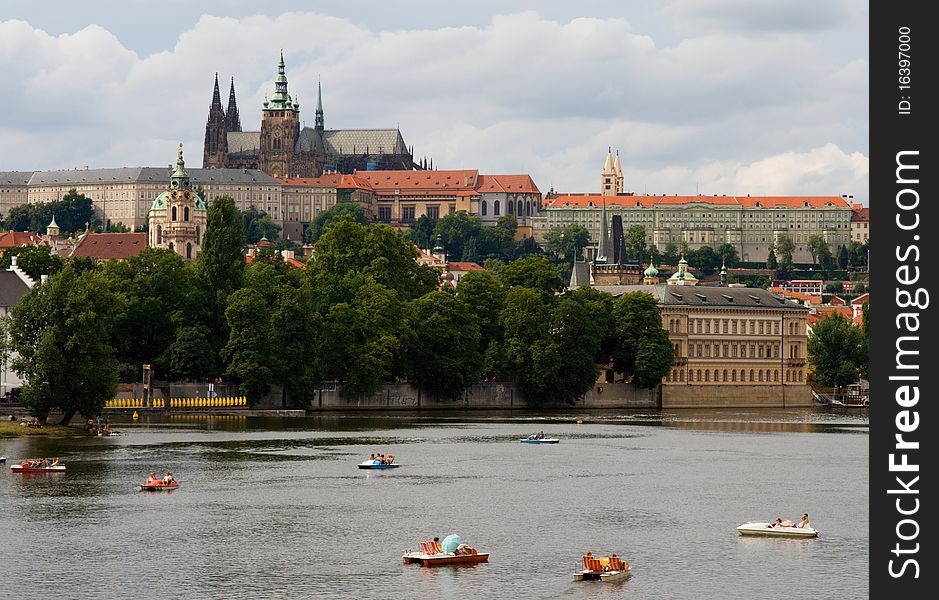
x=160, y=202
x=651, y=271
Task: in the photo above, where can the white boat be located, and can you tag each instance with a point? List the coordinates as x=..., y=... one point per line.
x=539, y=441
x=377, y=464
x=762, y=528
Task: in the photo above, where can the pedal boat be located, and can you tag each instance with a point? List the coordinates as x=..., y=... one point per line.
x=603, y=568
x=158, y=486
x=763, y=528
x=431, y=555
x=25, y=468
x=375, y=464
x=541, y=441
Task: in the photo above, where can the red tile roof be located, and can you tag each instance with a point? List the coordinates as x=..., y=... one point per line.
x=464, y=266
x=352, y=182
x=844, y=311
x=863, y=214
x=110, y=246
x=13, y=239
x=420, y=182
x=813, y=299
x=579, y=200
x=862, y=299
x=507, y=183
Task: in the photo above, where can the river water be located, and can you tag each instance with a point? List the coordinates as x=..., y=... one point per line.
x=275, y=507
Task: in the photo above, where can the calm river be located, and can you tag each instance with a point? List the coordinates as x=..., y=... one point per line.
x=275, y=508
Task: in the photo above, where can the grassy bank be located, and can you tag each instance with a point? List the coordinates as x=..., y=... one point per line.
x=12, y=429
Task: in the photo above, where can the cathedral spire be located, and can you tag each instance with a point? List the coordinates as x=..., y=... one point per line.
x=603, y=249
x=216, y=96
x=320, y=122
x=232, y=120
x=281, y=99
x=180, y=179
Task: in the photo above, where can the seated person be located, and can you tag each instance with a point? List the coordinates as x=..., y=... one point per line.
x=804, y=522
x=776, y=523
x=787, y=523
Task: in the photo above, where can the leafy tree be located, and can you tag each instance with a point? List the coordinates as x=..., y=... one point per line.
x=72, y=214
x=441, y=345
x=222, y=259
x=525, y=248
x=470, y=251
x=728, y=254
x=784, y=248
x=35, y=261
x=567, y=242
x=635, y=240
x=117, y=228
x=844, y=257
x=321, y=222
x=859, y=287
x=347, y=253
x=496, y=242
x=257, y=225
x=705, y=259
x=190, y=357
x=771, y=262
x=670, y=255
x=294, y=324
x=643, y=350
x=817, y=248
x=249, y=353
x=456, y=229
x=60, y=331
x=422, y=233
x=655, y=257
x=837, y=351
x=835, y=287
x=534, y=272
x=483, y=293
x=599, y=306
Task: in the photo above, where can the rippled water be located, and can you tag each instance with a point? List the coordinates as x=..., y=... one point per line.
x=275, y=508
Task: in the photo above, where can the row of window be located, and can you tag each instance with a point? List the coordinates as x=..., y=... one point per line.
x=735, y=350
x=733, y=376
x=517, y=208
x=732, y=326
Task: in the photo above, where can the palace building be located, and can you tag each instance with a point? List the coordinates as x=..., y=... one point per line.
x=752, y=224
x=285, y=148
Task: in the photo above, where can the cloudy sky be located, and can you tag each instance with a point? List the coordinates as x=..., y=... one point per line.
x=713, y=96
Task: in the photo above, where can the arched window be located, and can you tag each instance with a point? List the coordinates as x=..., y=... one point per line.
x=509, y=207
x=707, y=375
x=699, y=375
x=760, y=374
x=715, y=374
x=520, y=208
x=188, y=250
x=725, y=375
x=751, y=376
x=800, y=375
x=681, y=376
x=159, y=233
x=483, y=208
x=198, y=239
x=495, y=208
x=174, y=213
x=185, y=213
x=171, y=245
x=528, y=208
x=733, y=375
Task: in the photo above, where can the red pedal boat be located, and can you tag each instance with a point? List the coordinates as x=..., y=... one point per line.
x=27, y=467
x=159, y=486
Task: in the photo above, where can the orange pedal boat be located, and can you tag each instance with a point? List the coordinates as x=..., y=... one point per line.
x=431, y=554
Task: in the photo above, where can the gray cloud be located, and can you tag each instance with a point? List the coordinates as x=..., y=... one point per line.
x=520, y=93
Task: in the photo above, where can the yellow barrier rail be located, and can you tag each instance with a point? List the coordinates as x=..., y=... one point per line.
x=218, y=402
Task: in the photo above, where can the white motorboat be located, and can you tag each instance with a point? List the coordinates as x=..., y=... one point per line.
x=762, y=528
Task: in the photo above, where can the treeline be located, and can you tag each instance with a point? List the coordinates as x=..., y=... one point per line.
x=73, y=213
x=362, y=312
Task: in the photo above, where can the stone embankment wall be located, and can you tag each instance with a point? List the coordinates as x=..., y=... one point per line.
x=507, y=396
x=736, y=396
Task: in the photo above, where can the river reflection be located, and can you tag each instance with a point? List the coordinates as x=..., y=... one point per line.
x=276, y=508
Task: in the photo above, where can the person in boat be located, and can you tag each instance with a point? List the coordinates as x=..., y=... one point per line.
x=777, y=523
x=55, y=462
x=372, y=457
x=787, y=523
x=390, y=459
x=168, y=478
x=804, y=522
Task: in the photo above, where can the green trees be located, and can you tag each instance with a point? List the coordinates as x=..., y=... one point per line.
x=248, y=350
x=72, y=213
x=318, y=225
x=642, y=349
x=837, y=351
x=567, y=242
x=634, y=238
x=258, y=225
x=534, y=272
x=222, y=259
x=61, y=332
x=35, y=261
x=441, y=344
x=784, y=248
x=728, y=254
x=771, y=260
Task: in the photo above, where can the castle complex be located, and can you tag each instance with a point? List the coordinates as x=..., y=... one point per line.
x=283, y=148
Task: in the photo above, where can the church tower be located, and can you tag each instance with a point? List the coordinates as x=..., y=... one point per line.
x=178, y=216
x=215, y=149
x=232, y=120
x=608, y=176
x=280, y=130
x=618, y=174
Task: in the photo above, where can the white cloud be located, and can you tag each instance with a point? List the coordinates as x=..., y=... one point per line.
x=520, y=94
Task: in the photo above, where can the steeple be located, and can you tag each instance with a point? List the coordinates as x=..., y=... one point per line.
x=216, y=97
x=618, y=174
x=232, y=120
x=180, y=179
x=603, y=249
x=281, y=100
x=320, y=121
x=608, y=176
x=724, y=272
x=607, y=166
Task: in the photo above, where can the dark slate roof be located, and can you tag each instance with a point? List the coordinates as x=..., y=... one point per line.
x=355, y=141
x=15, y=177
x=157, y=174
x=309, y=141
x=704, y=295
x=580, y=275
x=12, y=288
